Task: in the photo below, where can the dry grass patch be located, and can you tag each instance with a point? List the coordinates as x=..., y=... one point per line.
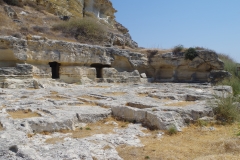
x=180, y=104
x=54, y=140
x=21, y=114
x=100, y=127
x=192, y=143
x=115, y=94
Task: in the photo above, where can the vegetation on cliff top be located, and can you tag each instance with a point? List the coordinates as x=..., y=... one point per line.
x=85, y=30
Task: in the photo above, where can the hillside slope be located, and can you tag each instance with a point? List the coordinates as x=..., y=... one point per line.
x=30, y=17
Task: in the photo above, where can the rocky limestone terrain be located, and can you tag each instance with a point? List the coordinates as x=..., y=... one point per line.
x=61, y=99
x=61, y=121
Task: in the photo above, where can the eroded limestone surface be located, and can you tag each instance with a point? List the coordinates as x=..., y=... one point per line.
x=72, y=121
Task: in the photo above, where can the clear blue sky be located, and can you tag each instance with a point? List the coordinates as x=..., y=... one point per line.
x=214, y=24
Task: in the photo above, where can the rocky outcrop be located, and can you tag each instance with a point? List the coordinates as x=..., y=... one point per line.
x=73, y=61
x=175, y=68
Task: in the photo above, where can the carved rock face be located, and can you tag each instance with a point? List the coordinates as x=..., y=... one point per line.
x=161, y=67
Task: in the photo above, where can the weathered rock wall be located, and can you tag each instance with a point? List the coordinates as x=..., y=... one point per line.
x=76, y=60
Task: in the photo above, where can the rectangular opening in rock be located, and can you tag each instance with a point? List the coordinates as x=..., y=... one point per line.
x=55, y=69
x=21, y=114
x=99, y=68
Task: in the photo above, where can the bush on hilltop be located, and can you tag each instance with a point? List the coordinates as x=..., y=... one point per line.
x=84, y=30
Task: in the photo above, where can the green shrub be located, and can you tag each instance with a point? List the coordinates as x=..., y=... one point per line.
x=190, y=54
x=227, y=110
x=172, y=130
x=88, y=128
x=84, y=30
x=231, y=66
x=178, y=49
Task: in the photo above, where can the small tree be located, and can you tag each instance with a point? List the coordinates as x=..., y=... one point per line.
x=190, y=54
x=178, y=49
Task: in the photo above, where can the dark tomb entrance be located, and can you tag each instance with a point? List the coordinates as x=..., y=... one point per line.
x=55, y=69
x=99, y=68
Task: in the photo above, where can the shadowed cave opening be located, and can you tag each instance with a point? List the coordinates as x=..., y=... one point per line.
x=55, y=69
x=99, y=68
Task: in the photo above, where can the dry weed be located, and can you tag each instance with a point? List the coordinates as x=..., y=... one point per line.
x=21, y=114
x=192, y=143
x=180, y=104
